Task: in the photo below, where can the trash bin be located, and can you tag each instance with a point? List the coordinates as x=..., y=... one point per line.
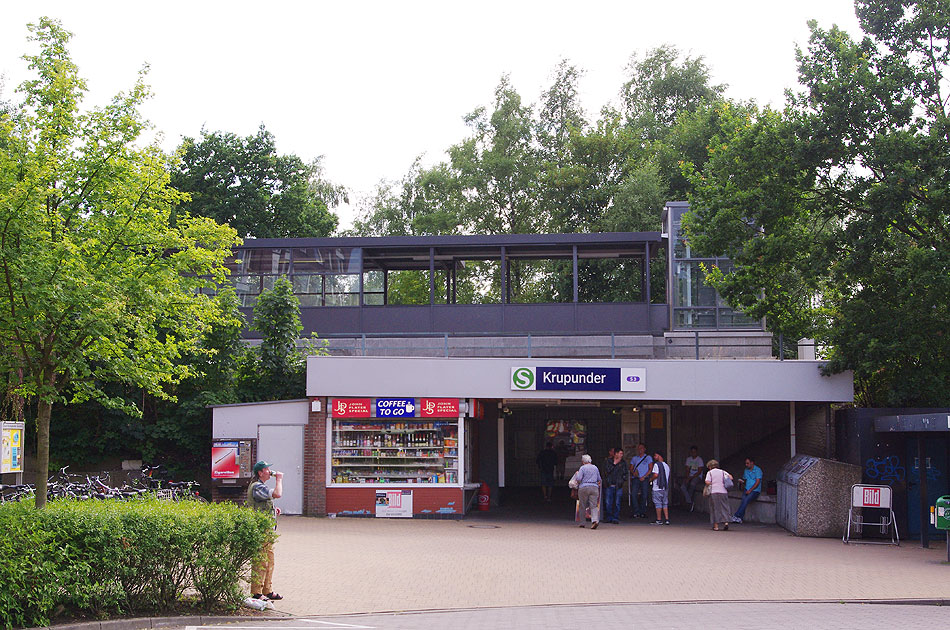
x=814, y=495
x=942, y=508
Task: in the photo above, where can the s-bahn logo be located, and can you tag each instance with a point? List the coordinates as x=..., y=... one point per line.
x=522, y=378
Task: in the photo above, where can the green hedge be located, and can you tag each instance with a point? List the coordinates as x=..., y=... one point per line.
x=123, y=557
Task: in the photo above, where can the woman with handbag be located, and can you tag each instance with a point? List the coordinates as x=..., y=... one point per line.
x=718, y=482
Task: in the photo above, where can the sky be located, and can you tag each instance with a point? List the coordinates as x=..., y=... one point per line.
x=372, y=85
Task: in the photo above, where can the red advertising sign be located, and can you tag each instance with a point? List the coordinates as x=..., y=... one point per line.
x=438, y=407
x=351, y=408
x=224, y=461
x=872, y=497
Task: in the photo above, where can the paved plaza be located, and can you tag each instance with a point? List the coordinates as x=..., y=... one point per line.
x=341, y=566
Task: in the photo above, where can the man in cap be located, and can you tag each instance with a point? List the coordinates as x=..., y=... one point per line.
x=261, y=498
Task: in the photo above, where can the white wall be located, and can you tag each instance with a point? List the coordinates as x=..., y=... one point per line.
x=242, y=420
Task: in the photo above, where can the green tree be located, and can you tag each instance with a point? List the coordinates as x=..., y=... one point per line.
x=98, y=286
x=843, y=197
x=276, y=369
x=246, y=184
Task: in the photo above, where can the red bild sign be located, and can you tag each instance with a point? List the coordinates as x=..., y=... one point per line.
x=438, y=407
x=872, y=497
x=351, y=408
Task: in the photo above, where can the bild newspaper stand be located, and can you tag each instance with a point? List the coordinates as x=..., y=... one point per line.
x=875, y=497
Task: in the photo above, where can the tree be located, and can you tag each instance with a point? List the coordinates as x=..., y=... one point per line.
x=246, y=184
x=661, y=87
x=98, y=286
x=277, y=368
x=838, y=208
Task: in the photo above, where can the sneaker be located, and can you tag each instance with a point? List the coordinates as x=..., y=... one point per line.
x=666, y=522
x=594, y=525
x=656, y=523
x=260, y=596
x=736, y=519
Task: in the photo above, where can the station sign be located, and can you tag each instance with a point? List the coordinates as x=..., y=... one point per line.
x=351, y=408
x=578, y=379
x=395, y=408
x=439, y=407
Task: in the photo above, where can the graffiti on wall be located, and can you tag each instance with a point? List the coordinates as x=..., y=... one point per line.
x=885, y=469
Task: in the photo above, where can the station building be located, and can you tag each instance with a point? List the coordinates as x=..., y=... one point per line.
x=443, y=369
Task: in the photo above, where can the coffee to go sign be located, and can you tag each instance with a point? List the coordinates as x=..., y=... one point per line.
x=395, y=408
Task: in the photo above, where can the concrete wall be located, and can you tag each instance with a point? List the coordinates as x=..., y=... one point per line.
x=824, y=495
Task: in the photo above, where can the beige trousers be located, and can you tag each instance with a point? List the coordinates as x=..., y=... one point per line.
x=589, y=496
x=262, y=572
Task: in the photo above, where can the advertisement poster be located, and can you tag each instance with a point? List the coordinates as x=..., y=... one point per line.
x=439, y=407
x=224, y=460
x=351, y=408
x=395, y=408
x=394, y=504
x=11, y=447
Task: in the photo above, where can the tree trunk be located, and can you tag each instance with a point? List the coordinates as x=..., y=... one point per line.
x=43, y=411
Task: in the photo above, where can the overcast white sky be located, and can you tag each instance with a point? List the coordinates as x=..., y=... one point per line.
x=371, y=85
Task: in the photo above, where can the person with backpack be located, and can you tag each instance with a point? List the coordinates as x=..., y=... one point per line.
x=717, y=493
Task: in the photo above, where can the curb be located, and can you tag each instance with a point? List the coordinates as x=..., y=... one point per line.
x=148, y=623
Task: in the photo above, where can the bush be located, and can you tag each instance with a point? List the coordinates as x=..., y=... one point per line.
x=104, y=557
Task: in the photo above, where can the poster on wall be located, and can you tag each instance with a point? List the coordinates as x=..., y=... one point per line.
x=394, y=504
x=224, y=460
x=569, y=436
x=11, y=447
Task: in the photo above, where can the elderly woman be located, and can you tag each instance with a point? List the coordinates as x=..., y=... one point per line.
x=588, y=489
x=718, y=495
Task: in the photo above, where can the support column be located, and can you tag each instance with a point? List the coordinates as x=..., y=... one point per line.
x=924, y=502
x=315, y=459
x=716, y=432
x=501, y=450
x=791, y=426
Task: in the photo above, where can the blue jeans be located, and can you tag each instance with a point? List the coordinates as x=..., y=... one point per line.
x=612, y=496
x=640, y=493
x=746, y=500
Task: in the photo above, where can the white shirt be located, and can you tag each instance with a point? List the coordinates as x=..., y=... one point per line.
x=656, y=482
x=694, y=464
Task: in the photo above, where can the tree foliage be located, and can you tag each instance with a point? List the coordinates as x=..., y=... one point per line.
x=245, y=183
x=836, y=210
x=98, y=286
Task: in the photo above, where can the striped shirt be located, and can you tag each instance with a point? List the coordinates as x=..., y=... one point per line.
x=588, y=475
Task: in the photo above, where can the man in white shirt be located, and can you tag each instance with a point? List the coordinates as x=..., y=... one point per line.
x=660, y=473
x=694, y=466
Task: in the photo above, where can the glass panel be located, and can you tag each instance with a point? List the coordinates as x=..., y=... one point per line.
x=310, y=299
x=327, y=259
x=609, y=280
x=342, y=299
x=540, y=281
x=267, y=260
x=729, y=318
x=267, y=282
x=694, y=318
x=408, y=287
x=377, y=452
x=691, y=287
x=246, y=285
x=307, y=283
x=373, y=282
x=373, y=299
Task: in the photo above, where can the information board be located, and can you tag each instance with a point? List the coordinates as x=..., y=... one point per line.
x=11, y=447
x=394, y=504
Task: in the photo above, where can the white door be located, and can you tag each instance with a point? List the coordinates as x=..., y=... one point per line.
x=282, y=446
